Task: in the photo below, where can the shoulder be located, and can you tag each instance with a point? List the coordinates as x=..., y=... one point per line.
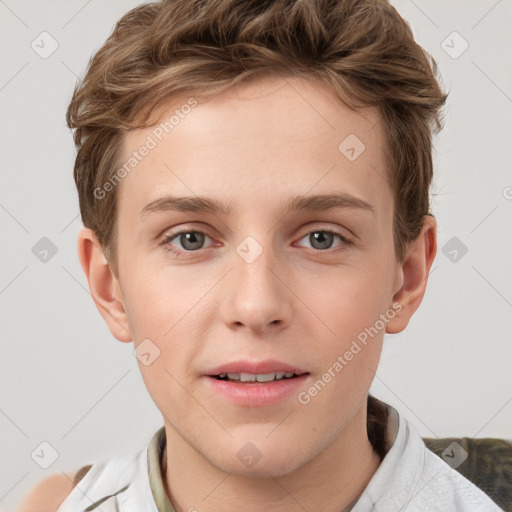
x=414, y=477
x=49, y=493
x=474, y=477
x=119, y=478
x=446, y=487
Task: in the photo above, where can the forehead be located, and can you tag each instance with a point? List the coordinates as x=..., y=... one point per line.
x=266, y=138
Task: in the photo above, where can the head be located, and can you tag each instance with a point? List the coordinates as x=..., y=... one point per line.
x=257, y=106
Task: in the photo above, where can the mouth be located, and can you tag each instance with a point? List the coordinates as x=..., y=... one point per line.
x=256, y=384
x=255, y=371
x=261, y=378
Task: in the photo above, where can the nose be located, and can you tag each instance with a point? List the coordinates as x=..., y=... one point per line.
x=256, y=293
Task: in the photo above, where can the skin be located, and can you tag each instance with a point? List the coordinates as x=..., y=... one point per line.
x=253, y=147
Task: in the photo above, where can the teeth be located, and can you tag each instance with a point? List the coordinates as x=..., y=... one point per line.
x=265, y=377
x=260, y=377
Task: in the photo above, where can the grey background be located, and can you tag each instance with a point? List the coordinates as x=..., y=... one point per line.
x=66, y=381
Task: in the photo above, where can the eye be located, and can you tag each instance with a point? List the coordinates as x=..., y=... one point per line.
x=190, y=241
x=193, y=240
x=322, y=239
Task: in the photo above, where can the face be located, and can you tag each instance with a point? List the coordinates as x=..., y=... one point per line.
x=266, y=283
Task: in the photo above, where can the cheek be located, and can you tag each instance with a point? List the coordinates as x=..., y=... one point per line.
x=165, y=307
x=157, y=299
x=160, y=307
x=351, y=335
x=344, y=302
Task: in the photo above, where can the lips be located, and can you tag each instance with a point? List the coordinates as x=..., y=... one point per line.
x=256, y=383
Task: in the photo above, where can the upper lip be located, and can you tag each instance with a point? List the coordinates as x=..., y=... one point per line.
x=255, y=367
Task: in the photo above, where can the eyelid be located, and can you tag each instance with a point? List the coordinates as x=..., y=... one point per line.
x=183, y=228
x=321, y=226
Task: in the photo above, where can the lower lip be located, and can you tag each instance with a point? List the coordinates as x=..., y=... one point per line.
x=257, y=394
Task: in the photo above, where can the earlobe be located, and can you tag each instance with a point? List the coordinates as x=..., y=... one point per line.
x=103, y=285
x=415, y=271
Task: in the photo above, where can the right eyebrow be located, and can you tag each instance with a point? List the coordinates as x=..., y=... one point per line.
x=186, y=204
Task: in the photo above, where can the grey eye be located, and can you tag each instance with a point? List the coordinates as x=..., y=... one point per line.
x=192, y=240
x=322, y=240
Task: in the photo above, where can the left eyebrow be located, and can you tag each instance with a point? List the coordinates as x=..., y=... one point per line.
x=319, y=202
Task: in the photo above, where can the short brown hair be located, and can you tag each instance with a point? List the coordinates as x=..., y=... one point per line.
x=362, y=48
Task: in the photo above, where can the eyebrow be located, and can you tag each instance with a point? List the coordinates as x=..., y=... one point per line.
x=201, y=204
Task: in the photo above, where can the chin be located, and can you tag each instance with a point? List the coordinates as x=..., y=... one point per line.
x=261, y=470
x=271, y=461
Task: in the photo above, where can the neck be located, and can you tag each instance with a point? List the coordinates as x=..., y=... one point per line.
x=331, y=481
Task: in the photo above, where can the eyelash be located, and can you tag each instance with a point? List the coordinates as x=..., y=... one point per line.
x=178, y=252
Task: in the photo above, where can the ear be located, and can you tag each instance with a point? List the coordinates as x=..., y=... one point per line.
x=104, y=286
x=414, y=272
